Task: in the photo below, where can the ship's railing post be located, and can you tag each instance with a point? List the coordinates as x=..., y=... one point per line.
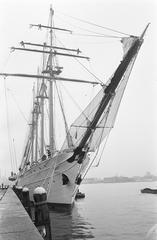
x=18, y=191
x=42, y=220
x=26, y=200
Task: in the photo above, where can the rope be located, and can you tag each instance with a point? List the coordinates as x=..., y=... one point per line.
x=83, y=65
x=68, y=136
x=102, y=151
x=15, y=155
x=92, y=35
x=90, y=31
x=107, y=114
x=89, y=71
x=6, y=61
x=22, y=114
x=84, y=174
x=90, y=165
x=81, y=111
x=8, y=126
x=93, y=24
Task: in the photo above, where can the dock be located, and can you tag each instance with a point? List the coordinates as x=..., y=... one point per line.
x=15, y=223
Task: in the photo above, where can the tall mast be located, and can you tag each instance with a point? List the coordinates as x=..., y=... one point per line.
x=32, y=133
x=51, y=120
x=42, y=109
x=37, y=116
x=36, y=138
x=42, y=121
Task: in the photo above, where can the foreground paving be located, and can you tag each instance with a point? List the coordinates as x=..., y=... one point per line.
x=15, y=223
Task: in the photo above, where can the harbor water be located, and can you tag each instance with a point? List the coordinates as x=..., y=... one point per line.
x=2, y=192
x=109, y=212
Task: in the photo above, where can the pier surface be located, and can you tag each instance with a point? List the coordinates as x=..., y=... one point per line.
x=15, y=223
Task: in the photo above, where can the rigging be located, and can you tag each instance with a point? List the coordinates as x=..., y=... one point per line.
x=96, y=34
x=8, y=129
x=85, y=67
x=93, y=24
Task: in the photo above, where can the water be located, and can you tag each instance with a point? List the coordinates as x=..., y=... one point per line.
x=108, y=212
x=2, y=192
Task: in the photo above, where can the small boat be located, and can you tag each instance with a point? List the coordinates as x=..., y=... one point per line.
x=149, y=190
x=79, y=195
x=13, y=177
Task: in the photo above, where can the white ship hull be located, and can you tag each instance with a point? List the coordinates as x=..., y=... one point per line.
x=48, y=174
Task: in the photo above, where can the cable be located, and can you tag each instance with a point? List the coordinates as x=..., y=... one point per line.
x=68, y=136
x=93, y=24
x=102, y=151
x=8, y=127
x=81, y=111
x=22, y=114
x=106, y=117
x=6, y=61
x=15, y=154
x=89, y=71
x=90, y=31
x=92, y=35
x=83, y=66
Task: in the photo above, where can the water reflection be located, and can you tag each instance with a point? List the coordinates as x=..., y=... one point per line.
x=68, y=224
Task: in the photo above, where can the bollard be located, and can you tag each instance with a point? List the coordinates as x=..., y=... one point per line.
x=18, y=191
x=14, y=188
x=26, y=200
x=42, y=220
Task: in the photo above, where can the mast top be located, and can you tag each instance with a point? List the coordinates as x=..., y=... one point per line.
x=142, y=35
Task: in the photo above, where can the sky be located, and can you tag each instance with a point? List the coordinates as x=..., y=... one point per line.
x=131, y=147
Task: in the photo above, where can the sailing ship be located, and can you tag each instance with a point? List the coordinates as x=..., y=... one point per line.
x=61, y=171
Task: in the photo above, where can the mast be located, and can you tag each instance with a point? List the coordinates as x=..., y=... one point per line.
x=36, y=138
x=51, y=74
x=51, y=110
x=42, y=109
x=42, y=121
x=33, y=125
x=36, y=120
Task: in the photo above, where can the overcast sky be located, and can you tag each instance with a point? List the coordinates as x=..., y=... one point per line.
x=131, y=147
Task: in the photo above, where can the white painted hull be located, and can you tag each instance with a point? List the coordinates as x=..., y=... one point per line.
x=48, y=174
